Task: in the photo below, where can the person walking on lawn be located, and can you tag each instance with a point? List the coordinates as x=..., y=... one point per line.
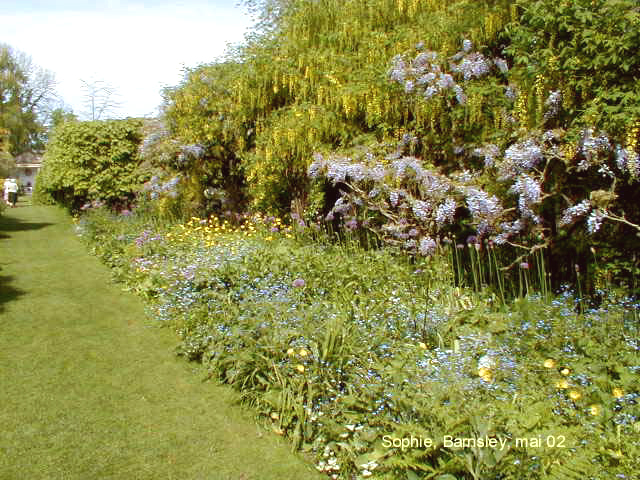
x=12, y=188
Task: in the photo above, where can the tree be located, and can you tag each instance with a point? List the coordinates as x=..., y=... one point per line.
x=100, y=99
x=27, y=94
x=6, y=161
x=61, y=115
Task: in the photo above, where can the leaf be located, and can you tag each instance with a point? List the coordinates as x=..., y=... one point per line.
x=412, y=475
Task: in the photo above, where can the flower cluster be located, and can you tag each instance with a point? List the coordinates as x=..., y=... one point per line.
x=158, y=188
x=592, y=146
x=529, y=194
x=489, y=152
x=152, y=140
x=445, y=213
x=472, y=65
x=427, y=246
x=190, y=153
x=520, y=157
x=594, y=221
x=425, y=75
x=485, y=209
x=574, y=212
x=553, y=103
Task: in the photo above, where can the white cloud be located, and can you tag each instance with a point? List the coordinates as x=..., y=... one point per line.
x=135, y=49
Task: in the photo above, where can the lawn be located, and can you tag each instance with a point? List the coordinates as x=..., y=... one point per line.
x=90, y=387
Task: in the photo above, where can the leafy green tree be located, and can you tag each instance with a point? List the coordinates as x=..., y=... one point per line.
x=26, y=98
x=61, y=115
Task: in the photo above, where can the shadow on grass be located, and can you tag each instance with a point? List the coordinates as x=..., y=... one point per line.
x=7, y=292
x=10, y=224
x=7, y=226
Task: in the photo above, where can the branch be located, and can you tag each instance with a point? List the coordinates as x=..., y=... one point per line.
x=620, y=219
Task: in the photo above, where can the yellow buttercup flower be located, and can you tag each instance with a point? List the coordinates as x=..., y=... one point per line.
x=595, y=410
x=291, y=351
x=423, y=345
x=300, y=368
x=565, y=371
x=562, y=384
x=303, y=352
x=549, y=363
x=485, y=374
x=575, y=395
x=618, y=392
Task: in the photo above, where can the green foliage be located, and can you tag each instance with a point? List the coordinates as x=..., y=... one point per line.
x=587, y=49
x=25, y=93
x=92, y=161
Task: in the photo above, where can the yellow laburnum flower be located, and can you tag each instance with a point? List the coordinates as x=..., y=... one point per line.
x=618, y=392
x=549, y=363
x=300, y=368
x=595, y=410
x=565, y=371
x=575, y=395
x=562, y=384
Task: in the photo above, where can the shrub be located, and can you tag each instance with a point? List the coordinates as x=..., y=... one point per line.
x=91, y=161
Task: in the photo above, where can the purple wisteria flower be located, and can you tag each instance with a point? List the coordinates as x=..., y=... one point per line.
x=594, y=221
x=501, y=64
x=489, y=152
x=553, y=104
x=446, y=212
x=578, y=210
x=521, y=157
x=592, y=145
x=421, y=210
x=484, y=208
x=529, y=194
x=473, y=65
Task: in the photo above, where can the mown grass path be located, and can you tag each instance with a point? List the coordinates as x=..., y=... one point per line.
x=90, y=389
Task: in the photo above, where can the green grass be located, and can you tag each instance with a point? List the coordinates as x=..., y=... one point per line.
x=90, y=389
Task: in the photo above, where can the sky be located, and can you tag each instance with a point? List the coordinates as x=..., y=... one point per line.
x=135, y=47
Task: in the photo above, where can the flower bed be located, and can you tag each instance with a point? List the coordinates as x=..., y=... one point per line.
x=378, y=363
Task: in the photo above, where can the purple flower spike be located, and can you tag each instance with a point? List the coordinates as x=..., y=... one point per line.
x=298, y=283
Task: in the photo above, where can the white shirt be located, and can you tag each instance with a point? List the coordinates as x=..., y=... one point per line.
x=12, y=187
